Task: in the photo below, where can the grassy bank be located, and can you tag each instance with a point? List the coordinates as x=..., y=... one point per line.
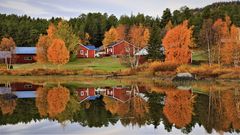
x=109, y=64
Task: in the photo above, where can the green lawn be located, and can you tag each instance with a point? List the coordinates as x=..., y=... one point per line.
x=104, y=64
x=199, y=55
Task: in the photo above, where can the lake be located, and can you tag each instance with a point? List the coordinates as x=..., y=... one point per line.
x=119, y=106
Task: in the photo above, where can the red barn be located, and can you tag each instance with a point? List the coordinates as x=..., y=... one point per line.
x=24, y=55
x=120, y=48
x=87, y=51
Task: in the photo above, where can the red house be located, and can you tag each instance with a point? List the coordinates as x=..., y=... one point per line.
x=24, y=55
x=87, y=51
x=120, y=48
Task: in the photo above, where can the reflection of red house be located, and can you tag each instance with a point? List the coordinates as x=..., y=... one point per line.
x=87, y=51
x=23, y=86
x=84, y=93
x=122, y=94
x=120, y=48
x=24, y=89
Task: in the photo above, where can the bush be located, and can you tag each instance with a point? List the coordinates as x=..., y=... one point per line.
x=90, y=71
x=127, y=72
x=162, y=66
x=184, y=68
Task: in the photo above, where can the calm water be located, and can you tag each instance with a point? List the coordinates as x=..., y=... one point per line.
x=133, y=108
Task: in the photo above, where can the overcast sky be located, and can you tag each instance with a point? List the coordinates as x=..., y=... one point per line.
x=73, y=8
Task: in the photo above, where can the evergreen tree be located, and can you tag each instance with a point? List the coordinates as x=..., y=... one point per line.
x=155, y=44
x=166, y=17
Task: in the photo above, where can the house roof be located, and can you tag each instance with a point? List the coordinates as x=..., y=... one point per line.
x=25, y=50
x=91, y=47
x=142, y=52
x=119, y=42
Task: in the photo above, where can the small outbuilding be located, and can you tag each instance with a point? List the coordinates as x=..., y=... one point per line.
x=24, y=55
x=87, y=51
x=120, y=48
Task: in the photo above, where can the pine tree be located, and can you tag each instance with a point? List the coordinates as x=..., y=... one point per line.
x=155, y=44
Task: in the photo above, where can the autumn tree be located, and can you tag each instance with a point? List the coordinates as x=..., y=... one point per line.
x=179, y=107
x=57, y=99
x=42, y=47
x=57, y=53
x=206, y=38
x=85, y=39
x=121, y=32
x=139, y=37
x=176, y=44
x=65, y=32
x=44, y=42
x=231, y=48
x=110, y=37
x=221, y=32
x=7, y=44
x=41, y=101
x=7, y=105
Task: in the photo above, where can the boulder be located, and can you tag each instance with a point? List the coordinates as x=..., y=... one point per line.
x=184, y=77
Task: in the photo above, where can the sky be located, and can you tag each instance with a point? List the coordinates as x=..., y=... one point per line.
x=73, y=8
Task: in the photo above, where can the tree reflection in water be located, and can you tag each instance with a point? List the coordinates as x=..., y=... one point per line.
x=134, y=105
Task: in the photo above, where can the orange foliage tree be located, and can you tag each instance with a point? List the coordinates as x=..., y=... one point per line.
x=221, y=32
x=57, y=99
x=121, y=32
x=7, y=44
x=7, y=106
x=231, y=48
x=57, y=53
x=178, y=107
x=176, y=43
x=109, y=37
x=44, y=42
x=139, y=37
x=41, y=101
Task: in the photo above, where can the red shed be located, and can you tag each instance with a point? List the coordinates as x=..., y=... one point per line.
x=87, y=51
x=120, y=48
x=24, y=55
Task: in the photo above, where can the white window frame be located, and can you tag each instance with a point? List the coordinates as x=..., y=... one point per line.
x=28, y=58
x=81, y=52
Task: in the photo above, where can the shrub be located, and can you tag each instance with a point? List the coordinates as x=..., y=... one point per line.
x=127, y=72
x=162, y=66
x=184, y=68
x=90, y=71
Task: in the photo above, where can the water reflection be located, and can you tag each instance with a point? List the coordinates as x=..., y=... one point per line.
x=136, y=105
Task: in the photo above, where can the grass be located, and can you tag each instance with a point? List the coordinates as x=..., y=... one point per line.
x=199, y=55
x=109, y=64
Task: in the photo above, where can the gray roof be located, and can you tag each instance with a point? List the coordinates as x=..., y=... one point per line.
x=25, y=50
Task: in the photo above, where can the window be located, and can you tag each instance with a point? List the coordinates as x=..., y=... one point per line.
x=81, y=52
x=27, y=86
x=28, y=58
x=82, y=93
